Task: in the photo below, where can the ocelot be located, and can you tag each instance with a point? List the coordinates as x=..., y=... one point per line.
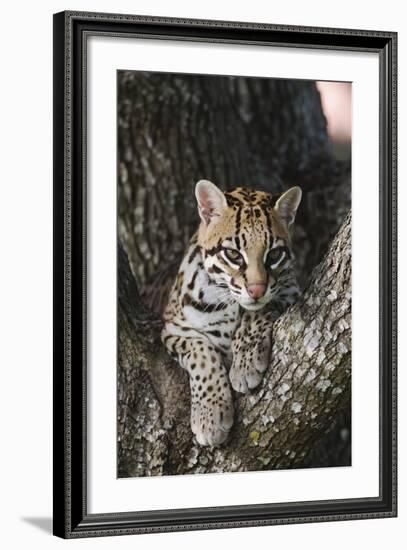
x=235, y=278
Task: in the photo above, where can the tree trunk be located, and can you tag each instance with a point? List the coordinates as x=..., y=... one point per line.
x=262, y=133
x=278, y=425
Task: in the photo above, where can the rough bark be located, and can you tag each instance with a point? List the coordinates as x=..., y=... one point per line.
x=279, y=425
x=256, y=132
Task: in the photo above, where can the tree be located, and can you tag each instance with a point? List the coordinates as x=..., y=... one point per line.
x=173, y=131
x=276, y=426
x=264, y=133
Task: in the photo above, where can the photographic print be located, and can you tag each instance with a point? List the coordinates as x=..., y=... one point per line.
x=234, y=274
x=225, y=283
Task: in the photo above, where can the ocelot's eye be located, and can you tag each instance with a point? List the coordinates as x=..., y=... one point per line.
x=233, y=255
x=274, y=255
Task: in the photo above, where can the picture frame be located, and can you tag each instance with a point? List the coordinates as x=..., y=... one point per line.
x=71, y=514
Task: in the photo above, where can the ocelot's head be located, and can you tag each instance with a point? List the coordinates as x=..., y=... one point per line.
x=245, y=241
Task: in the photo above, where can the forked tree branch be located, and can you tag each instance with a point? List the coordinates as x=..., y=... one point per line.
x=278, y=425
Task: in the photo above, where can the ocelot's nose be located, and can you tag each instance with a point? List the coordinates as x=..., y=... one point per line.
x=256, y=291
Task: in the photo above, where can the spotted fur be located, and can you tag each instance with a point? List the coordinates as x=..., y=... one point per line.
x=236, y=276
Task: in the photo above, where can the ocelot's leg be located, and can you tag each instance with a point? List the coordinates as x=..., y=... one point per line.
x=251, y=346
x=211, y=395
x=252, y=341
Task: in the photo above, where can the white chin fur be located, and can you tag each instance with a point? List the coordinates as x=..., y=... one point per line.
x=253, y=306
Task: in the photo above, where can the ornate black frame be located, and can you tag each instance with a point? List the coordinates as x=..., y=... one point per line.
x=71, y=518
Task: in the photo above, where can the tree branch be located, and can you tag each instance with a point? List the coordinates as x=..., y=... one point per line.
x=278, y=425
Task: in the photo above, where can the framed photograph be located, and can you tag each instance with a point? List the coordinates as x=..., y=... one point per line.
x=224, y=274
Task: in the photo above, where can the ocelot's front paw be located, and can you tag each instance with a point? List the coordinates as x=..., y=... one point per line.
x=251, y=347
x=211, y=410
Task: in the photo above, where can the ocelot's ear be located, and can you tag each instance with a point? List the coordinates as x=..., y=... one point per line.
x=211, y=201
x=287, y=205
